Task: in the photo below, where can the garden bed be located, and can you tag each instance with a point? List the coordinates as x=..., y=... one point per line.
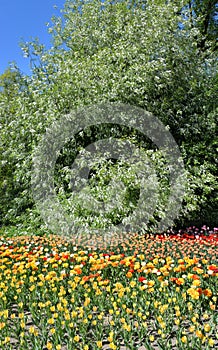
x=157, y=292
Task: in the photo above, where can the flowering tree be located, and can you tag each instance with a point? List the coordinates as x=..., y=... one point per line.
x=144, y=55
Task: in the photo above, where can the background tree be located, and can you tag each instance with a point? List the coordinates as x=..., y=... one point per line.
x=145, y=56
x=12, y=84
x=204, y=16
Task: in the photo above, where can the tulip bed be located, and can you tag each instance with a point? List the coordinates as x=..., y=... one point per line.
x=156, y=292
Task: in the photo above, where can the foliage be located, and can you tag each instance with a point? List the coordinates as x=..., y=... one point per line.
x=146, y=56
x=203, y=16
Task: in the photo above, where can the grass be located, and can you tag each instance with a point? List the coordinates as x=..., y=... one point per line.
x=153, y=292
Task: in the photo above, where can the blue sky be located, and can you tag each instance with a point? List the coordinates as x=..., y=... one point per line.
x=24, y=20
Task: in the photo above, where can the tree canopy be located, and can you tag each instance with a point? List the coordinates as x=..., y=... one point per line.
x=160, y=56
